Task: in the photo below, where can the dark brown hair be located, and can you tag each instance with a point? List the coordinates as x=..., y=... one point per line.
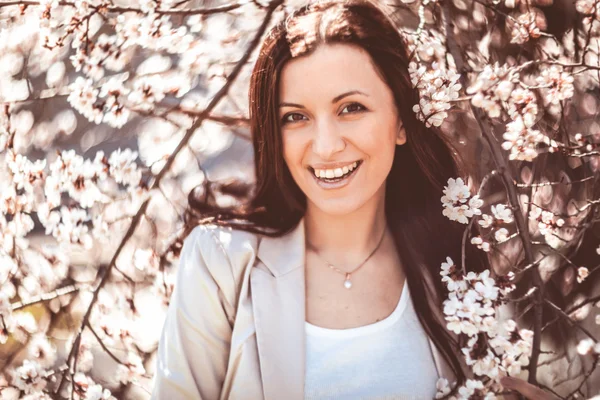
x=421, y=167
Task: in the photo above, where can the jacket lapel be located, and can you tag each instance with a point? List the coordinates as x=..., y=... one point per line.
x=278, y=301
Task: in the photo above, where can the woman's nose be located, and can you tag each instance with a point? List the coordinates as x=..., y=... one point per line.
x=327, y=140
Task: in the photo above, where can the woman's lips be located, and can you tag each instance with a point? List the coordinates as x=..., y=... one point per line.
x=336, y=184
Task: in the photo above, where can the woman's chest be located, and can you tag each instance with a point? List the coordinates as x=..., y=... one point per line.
x=390, y=359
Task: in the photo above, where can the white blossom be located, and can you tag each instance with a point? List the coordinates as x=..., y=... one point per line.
x=525, y=28
x=502, y=213
x=480, y=243
x=69, y=225
x=131, y=371
x=522, y=105
x=146, y=260
x=501, y=235
x=486, y=221
x=146, y=92
x=437, y=88
x=442, y=387
x=42, y=351
x=548, y=225
x=29, y=377
x=123, y=167
x=522, y=141
x=492, y=87
x=83, y=97
x=457, y=203
x=559, y=84
x=588, y=7
x=585, y=345
x=470, y=388
x=582, y=273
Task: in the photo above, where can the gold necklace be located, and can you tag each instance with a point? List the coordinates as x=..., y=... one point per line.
x=347, y=282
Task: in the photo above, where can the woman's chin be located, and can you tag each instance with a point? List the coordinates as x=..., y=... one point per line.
x=337, y=206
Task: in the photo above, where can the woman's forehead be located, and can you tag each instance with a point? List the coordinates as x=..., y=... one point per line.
x=329, y=70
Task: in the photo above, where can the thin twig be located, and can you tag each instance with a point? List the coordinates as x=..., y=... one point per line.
x=106, y=349
x=48, y=296
x=569, y=320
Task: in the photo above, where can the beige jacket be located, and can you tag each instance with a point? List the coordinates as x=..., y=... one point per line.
x=235, y=325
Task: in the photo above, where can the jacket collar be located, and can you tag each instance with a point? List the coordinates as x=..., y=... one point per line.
x=279, y=261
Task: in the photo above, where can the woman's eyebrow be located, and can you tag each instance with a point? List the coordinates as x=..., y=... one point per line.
x=335, y=99
x=341, y=96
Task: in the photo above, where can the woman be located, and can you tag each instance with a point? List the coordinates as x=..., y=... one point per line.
x=326, y=284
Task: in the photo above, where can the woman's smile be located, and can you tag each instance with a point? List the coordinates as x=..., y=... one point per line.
x=331, y=178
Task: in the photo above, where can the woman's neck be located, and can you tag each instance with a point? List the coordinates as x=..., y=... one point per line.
x=344, y=238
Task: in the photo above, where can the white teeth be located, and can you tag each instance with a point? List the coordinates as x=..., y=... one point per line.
x=335, y=173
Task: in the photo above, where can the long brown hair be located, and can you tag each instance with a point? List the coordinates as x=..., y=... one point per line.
x=421, y=167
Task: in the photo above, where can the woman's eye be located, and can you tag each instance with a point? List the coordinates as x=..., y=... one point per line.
x=295, y=117
x=354, y=107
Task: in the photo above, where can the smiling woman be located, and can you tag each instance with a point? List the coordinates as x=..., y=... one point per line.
x=326, y=283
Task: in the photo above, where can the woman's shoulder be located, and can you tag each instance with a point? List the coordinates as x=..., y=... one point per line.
x=211, y=237
x=225, y=252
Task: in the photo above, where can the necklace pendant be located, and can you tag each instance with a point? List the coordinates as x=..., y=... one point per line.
x=347, y=283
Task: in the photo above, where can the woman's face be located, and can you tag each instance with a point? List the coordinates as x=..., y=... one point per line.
x=337, y=114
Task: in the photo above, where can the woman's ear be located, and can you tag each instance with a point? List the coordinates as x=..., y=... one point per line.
x=401, y=137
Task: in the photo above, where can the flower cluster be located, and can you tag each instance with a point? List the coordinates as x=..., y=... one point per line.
x=525, y=28
x=501, y=214
x=438, y=87
x=522, y=105
x=87, y=389
x=548, y=225
x=589, y=8
x=492, y=87
x=472, y=389
x=83, y=96
x=28, y=273
x=458, y=203
x=559, y=84
x=436, y=80
x=83, y=180
x=588, y=345
x=498, y=89
x=428, y=46
x=523, y=141
x=493, y=349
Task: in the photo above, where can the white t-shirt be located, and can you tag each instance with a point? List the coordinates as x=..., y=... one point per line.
x=389, y=359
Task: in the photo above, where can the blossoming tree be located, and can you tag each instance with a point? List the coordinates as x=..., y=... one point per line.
x=91, y=232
